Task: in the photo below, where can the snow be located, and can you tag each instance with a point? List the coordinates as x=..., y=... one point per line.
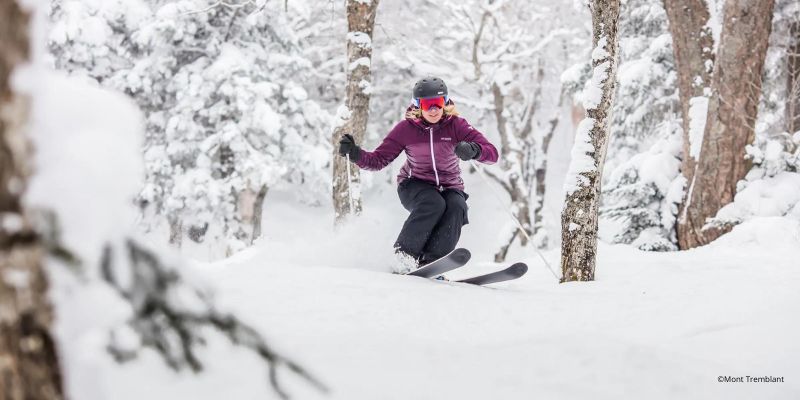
x=673, y=197
x=363, y=61
x=581, y=160
x=653, y=325
x=768, y=197
x=83, y=127
x=361, y=39
x=343, y=114
x=11, y=222
x=572, y=73
x=635, y=71
x=18, y=279
x=698, y=112
x=599, y=52
x=715, y=17
x=593, y=92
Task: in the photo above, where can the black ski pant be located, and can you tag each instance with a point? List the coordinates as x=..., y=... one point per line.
x=434, y=226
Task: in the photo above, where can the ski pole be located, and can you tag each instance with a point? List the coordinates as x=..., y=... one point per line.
x=514, y=217
x=349, y=186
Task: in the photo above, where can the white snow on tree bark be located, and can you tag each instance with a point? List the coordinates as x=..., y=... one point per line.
x=343, y=114
x=360, y=38
x=11, y=222
x=698, y=112
x=593, y=92
x=365, y=86
x=363, y=61
x=714, y=23
x=581, y=158
x=599, y=52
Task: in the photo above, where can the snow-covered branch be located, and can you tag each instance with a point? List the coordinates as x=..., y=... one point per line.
x=173, y=328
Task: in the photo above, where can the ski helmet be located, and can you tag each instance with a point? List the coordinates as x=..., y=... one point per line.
x=429, y=87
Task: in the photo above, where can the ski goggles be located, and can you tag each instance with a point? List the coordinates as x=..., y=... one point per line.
x=427, y=104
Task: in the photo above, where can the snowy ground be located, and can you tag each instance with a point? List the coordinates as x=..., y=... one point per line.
x=653, y=325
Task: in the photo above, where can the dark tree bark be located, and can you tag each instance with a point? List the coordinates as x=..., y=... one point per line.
x=793, y=81
x=175, y=231
x=360, y=24
x=579, y=217
x=732, y=111
x=692, y=46
x=29, y=367
x=258, y=211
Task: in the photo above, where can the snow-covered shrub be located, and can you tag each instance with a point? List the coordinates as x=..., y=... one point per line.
x=642, y=185
x=224, y=92
x=647, y=88
x=644, y=193
x=772, y=187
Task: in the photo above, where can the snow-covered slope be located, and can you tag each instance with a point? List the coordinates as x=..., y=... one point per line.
x=653, y=325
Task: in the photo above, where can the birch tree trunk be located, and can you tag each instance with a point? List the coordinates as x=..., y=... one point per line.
x=360, y=24
x=175, y=231
x=732, y=110
x=579, y=216
x=514, y=150
x=793, y=79
x=693, y=48
x=29, y=367
x=539, y=232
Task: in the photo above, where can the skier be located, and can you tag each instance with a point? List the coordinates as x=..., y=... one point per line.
x=430, y=187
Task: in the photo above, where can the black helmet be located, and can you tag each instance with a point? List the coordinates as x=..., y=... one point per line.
x=429, y=87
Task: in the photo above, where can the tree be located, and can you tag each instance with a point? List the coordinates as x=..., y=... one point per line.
x=29, y=366
x=510, y=61
x=223, y=87
x=643, y=185
x=86, y=243
x=540, y=236
x=584, y=178
x=730, y=126
x=693, y=47
x=793, y=78
x=352, y=117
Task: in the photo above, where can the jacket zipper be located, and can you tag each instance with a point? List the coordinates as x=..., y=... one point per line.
x=433, y=158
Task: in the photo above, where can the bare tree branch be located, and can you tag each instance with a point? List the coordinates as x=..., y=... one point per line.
x=174, y=330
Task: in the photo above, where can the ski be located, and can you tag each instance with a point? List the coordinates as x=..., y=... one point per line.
x=456, y=258
x=513, y=272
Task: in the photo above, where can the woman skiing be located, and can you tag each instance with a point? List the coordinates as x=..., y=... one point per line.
x=430, y=187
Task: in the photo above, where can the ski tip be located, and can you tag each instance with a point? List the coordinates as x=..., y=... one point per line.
x=461, y=254
x=518, y=269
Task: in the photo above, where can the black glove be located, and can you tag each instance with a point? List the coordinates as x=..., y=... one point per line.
x=468, y=150
x=347, y=145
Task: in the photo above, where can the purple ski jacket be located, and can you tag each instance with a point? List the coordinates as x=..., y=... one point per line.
x=430, y=150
